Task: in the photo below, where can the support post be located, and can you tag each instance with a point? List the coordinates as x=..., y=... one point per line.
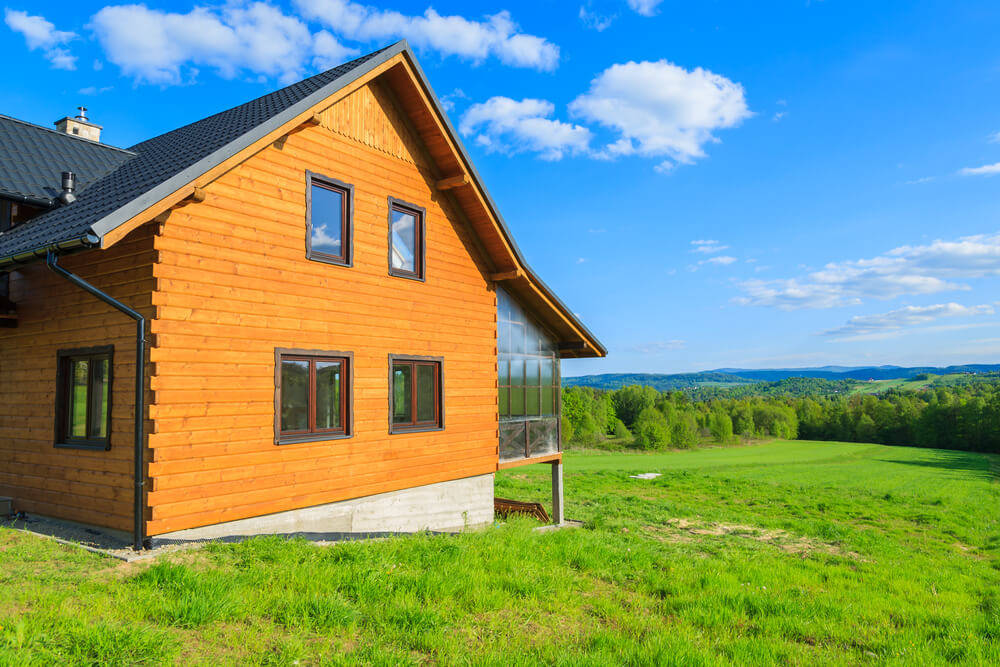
x=558, y=517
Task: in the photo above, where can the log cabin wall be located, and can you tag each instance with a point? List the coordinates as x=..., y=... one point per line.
x=94, y=487
x=233, y=283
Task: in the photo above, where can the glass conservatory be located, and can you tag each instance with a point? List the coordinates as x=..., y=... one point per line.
x=528, y=382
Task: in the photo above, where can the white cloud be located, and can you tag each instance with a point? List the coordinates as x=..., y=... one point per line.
x=985, y=170
x=919, y=181
x=720, y=260
x=661, y=110
x=41, y=34
x=905, y=318
x=644, y=7
x=328, y=52
x=994, y=138
x=165, y=47
x=707, y=246
x=658, y=346
x=448, y=101
x=595, y=21
x=779, y=115
x=496, y=35
x=926, y=269
x=94, y=90
x=509, y=126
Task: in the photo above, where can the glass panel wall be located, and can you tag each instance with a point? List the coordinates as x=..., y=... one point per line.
x=528, y=381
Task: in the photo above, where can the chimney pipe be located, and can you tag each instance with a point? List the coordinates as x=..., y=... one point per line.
x=68, y=196
x=83, y=113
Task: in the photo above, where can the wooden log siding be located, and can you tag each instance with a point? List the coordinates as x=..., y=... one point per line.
x=233, y=283
x=88, y=486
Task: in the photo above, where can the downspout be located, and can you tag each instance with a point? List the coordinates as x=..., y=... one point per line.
x=140, y=386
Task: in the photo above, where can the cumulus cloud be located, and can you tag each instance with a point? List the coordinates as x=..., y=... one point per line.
x=41, y=34
x=707, y=246
x=328, y=52
x=510, y=126
x=161, y=47
x=659, y=109
x=907, y=270
x=985, y=170
x=496, y=35
x=892, y=322
x=644, y=7
x=595, y=21
x=720, y=260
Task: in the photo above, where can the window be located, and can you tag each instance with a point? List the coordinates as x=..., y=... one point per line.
x=83, y=398
x=406, y=240
x=528, y=381
x=415, y=394
x=13, y=213
x=312, y=399
x=328, y=214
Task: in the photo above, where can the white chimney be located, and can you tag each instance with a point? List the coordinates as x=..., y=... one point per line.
x=79, y=126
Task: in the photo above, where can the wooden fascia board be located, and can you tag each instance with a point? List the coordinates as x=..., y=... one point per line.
x=121, y=231
x=483, y=199
x=467, y=171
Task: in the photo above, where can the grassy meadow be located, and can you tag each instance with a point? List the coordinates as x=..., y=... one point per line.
x=802, y=552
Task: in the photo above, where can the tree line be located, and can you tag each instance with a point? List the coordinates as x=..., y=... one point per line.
x=963, y=417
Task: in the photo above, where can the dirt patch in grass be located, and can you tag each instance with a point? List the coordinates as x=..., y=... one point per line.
x=969, y=550
x=686, y=530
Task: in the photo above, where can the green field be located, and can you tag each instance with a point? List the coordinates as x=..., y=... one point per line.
x=802, y=552
x=904, y=384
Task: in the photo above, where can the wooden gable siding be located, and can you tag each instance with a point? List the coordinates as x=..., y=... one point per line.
x=92, y=487
x=233, y=283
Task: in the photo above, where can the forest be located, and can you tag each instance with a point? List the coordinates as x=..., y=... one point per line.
x=961, y=416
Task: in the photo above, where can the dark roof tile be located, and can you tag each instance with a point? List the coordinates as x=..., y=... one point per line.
x=32, y=158
x=133, y=184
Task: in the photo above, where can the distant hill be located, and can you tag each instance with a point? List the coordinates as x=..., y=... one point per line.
x=726, y=377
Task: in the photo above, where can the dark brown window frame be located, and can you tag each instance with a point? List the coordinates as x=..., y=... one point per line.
x=420, y=256
x=346, y=396
x=417, y=427
x=63, y=358
x=347, y=219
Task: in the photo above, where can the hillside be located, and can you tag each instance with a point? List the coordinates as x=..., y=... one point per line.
x=727, y=377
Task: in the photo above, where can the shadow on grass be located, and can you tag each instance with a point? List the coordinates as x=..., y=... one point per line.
x=978, y=464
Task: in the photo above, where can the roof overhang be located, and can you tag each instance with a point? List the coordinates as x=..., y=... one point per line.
x=398, y=68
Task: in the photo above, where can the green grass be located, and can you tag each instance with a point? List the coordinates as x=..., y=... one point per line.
x=789, y=551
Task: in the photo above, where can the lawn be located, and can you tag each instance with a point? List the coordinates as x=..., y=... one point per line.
x=790, y=551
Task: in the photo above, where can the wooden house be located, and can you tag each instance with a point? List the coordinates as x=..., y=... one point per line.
x=303, y=314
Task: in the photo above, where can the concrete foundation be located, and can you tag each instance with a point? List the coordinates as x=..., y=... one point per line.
x=443, y=507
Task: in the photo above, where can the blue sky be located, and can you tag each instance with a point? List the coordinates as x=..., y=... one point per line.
x=706, y=184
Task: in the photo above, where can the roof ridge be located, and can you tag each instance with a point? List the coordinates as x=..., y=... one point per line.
x=274, y=93
x=63, y=134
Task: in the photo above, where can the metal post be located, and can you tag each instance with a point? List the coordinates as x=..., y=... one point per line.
x=558, y=517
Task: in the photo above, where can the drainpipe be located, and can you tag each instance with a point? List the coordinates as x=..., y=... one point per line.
x=140, y=385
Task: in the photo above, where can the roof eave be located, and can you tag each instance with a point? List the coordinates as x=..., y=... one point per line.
x=599, y=349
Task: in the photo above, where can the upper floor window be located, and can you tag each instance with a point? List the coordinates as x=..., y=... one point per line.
x=83, y=398
x=406, y=240
x=415, y=394
x=328, y=211
x=313, y=392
